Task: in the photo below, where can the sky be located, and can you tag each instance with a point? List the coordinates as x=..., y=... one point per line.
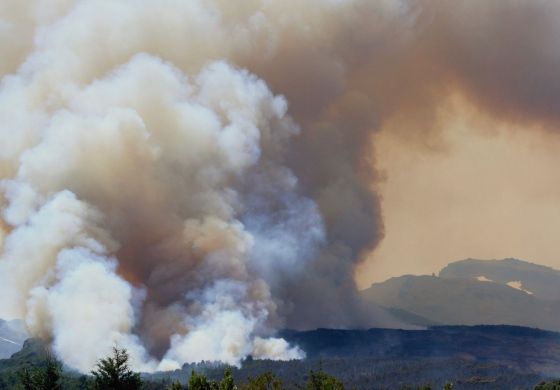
x=485, y=190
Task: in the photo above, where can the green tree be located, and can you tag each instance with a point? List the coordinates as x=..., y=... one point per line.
x=320, y=380
x=47, y=377
x=26, y=378
x=265, y=381
x=448, y=386
x=227, y=382
x=113, y=373
x=175, y=386
x=554, y=385
x=200, y=382
x=51, y=374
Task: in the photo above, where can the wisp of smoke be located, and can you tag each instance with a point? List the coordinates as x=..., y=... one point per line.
x=158, y=194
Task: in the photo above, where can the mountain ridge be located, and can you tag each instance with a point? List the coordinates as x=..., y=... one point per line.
x=472, y=292
x=543, y=281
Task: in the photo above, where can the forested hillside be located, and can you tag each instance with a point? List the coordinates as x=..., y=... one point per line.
x=485, y=357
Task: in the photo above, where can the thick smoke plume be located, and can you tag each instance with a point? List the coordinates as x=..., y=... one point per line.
x=181, y=178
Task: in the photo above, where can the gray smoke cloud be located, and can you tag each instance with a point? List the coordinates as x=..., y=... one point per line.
x=182, y=178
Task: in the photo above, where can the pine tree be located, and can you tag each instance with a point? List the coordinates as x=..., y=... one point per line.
x=200, y=382
x=113, y=373
x=227, y=382
x=320, y=380
x=47, y=377
x=265, y=381
x=175, y=386
x=51, y=374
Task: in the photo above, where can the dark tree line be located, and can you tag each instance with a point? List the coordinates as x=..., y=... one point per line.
x=114, y=373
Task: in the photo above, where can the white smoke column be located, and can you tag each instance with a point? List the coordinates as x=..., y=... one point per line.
x=73, y=294
x=134, y=188
x=90, y=307
x=223, y=330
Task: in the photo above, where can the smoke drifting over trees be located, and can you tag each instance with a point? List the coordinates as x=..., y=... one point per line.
x=182, y=178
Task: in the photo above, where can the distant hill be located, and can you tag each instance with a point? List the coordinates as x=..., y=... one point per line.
x=12, y=336
x=517, y=346
x=471, y=292
x=480, y=357
x=541, y=281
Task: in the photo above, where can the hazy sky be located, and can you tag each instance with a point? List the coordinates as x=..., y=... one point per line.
x=484, y=191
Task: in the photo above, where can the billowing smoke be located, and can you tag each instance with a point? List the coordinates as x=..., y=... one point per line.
x=181, y=178
x=141, y=207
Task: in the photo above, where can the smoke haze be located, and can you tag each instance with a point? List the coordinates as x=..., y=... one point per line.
x=182, y=178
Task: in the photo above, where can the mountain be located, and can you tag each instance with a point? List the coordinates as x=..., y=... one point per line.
x=32, y=354
x=12, y=336
x=471, y=292
x=541, y=281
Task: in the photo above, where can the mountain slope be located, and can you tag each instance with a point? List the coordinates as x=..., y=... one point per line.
x=464, y=301
x=543, y=282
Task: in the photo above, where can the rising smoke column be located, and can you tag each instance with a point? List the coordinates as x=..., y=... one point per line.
x=156, y=191
x=131, y=198
x=128, y=211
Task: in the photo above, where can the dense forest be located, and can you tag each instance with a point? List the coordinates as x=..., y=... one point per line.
x=35, y=368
